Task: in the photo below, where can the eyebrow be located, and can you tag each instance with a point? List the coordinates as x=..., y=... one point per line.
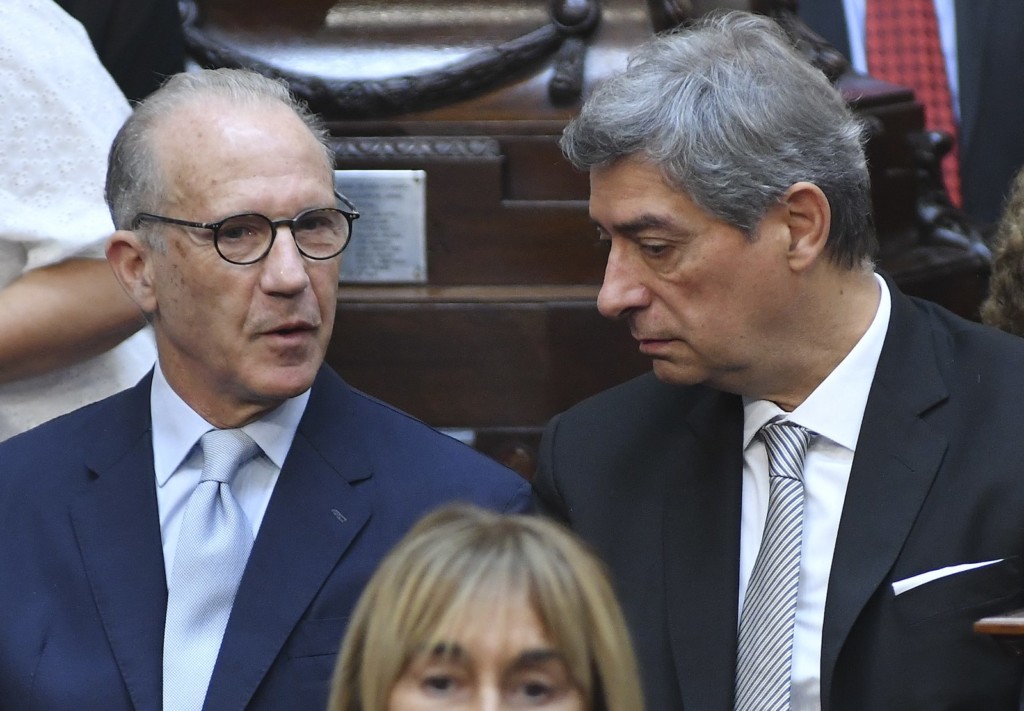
x=640, y=224
x=455, y=652
x=448, y=650
x=539, y=656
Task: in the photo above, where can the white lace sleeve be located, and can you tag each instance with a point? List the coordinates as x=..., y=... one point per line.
x=60, y=112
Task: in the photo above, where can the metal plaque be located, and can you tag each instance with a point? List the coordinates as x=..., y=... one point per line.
x=389, y=240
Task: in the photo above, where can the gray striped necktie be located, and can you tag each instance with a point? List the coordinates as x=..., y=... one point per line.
x=765, y=653
x=212, y=551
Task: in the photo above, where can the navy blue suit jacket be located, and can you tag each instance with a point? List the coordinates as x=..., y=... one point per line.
x=82, y=588
x=990, y=54
x=651, y=475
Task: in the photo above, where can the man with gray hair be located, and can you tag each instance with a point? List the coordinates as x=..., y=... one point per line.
x=819, y=487
x=199, y=540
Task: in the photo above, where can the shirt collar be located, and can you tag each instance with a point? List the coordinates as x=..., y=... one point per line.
x=177, y=428
x=835, y=408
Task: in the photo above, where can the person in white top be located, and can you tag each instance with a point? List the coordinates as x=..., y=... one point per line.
x=63, y=316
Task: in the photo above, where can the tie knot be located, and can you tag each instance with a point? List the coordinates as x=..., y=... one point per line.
x=224, y=451
x=786, y=443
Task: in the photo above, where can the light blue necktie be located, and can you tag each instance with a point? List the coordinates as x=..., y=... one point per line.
x=212, y=551
x=765, y=650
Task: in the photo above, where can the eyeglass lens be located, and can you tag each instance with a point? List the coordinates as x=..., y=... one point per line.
x=318, y=234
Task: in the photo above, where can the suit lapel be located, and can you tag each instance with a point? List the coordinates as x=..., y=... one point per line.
x=701, y=549
x=117, y=527
x=314, y=515
x=897, y=458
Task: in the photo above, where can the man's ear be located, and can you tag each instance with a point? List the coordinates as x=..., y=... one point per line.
x=808, y=216
x=132, y=262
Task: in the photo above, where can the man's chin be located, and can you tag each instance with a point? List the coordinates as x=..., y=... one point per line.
x=285, y=383
x=676, y=374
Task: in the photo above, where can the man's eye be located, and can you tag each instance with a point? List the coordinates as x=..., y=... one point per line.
x=241, y=232
x=653, y=249
x=314, y=223
x=240, y=229
x=234, y=233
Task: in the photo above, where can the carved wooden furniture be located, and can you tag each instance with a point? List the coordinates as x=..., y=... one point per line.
x=504, y=332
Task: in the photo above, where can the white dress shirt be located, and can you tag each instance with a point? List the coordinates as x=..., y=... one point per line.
x=945, y=13
x=178, y=458
x=833, y=412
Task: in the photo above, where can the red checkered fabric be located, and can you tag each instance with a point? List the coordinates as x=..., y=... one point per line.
x=903, y=47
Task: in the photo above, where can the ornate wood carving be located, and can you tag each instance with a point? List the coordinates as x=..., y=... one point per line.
x=421, y=147
x=939, y=221
x=484, y=70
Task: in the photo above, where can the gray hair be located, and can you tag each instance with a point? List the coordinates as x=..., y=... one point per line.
x=733, y=115
x=134, y=178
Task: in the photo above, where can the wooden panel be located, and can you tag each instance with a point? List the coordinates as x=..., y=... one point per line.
x=491, y=358
x=476, y=233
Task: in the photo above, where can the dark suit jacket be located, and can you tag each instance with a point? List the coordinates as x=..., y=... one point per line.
x=140, y=42
x=990, y=54
x=82, y=589
x=651, y=475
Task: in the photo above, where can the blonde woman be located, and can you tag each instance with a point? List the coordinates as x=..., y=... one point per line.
x=475, y=610
x=1004, y=307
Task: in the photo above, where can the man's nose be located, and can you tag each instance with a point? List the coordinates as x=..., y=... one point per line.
x=622, y=289
x=284, y=268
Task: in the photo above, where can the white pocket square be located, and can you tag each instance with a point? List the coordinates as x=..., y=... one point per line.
x=901, y=586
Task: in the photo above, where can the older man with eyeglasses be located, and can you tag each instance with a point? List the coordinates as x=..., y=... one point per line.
x=199, y=540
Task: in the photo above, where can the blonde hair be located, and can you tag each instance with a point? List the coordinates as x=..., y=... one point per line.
x=460, y=554
x=1004, y=307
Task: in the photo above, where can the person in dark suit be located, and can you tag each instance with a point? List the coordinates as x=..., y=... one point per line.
x=94, y=505
x=140, y=42
x=729, y=182
x=989, y=49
